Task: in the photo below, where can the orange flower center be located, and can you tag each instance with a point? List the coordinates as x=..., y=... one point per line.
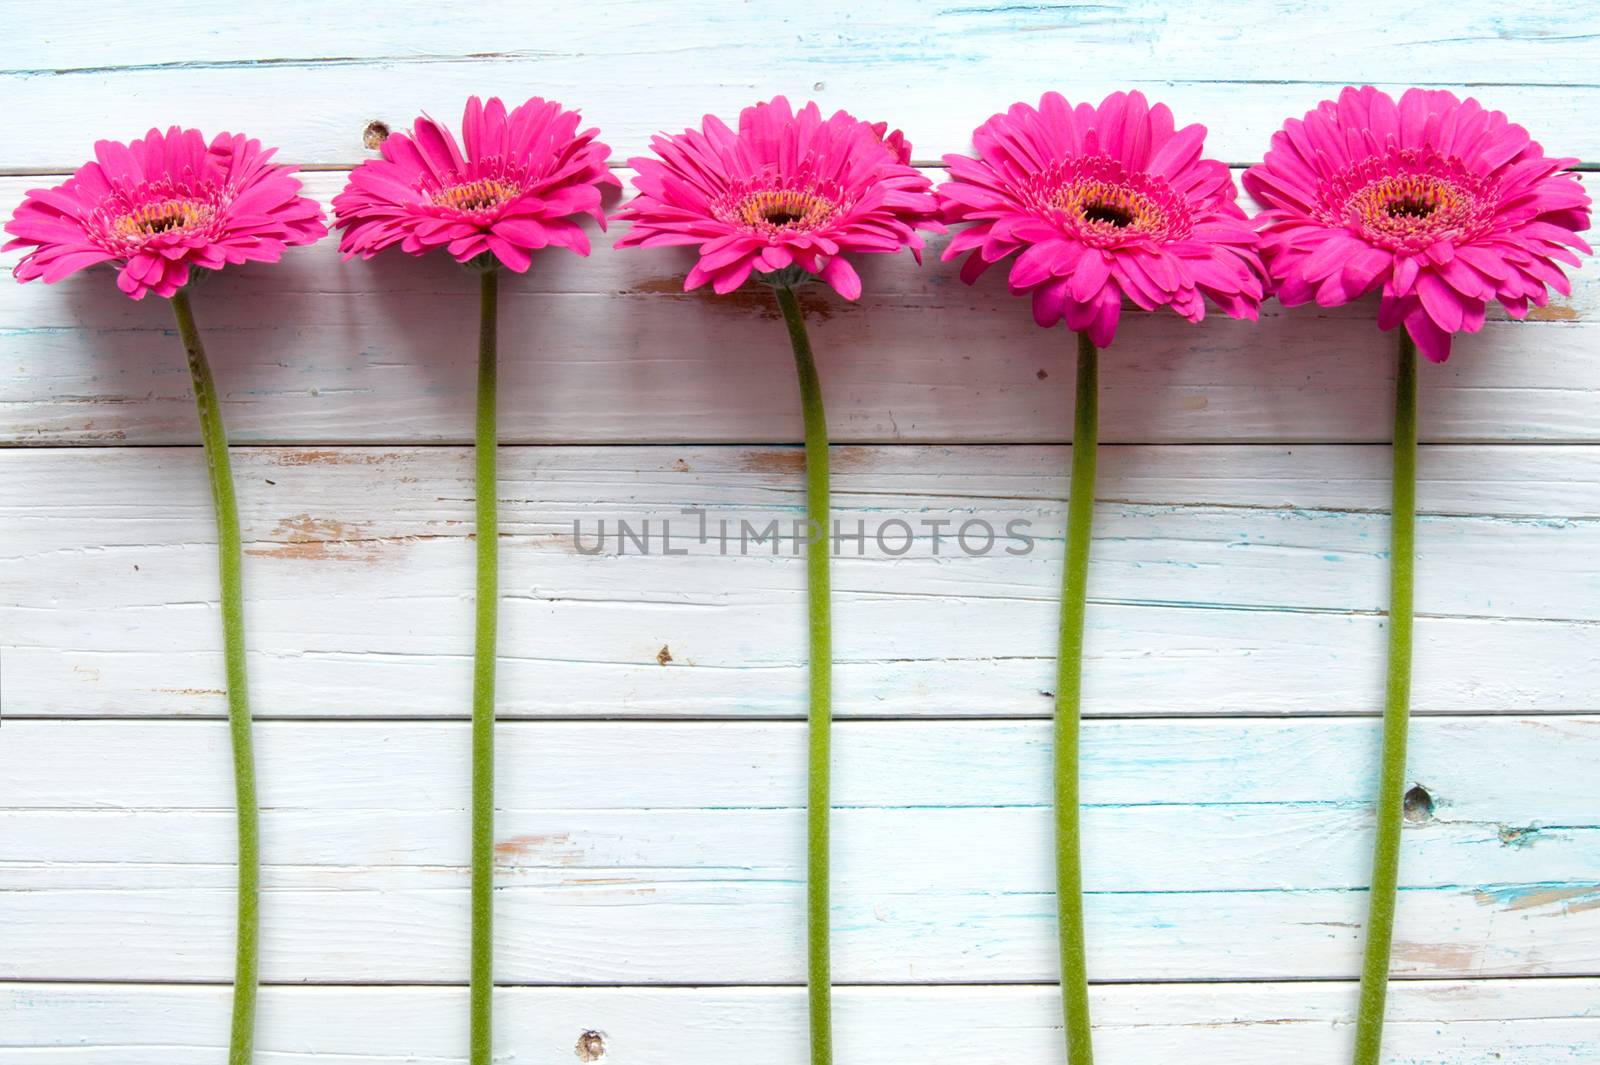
x=1107, y=206
x=1404, y=205
x=472, y=197
x=162, y=216
x=1096, y=200
x=1408, y=200
x=771, y=210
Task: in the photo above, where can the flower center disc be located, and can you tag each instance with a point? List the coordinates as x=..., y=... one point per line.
x=475, y=197
x=1410, y=208
x=773, y=211
x=1408, y=200
x=1108, y=213
x=162, y=216
x=1095, y=199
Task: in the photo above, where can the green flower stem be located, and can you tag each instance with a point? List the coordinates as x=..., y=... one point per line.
x=488, y=602
x=1069, y=685
x=1396, y=713
x=247, y=942
x=821, y=716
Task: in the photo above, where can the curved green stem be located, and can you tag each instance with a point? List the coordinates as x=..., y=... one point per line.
x=1396, y=713
x=488, y=602
x=247, y=941
x=821, y=716
x=1069, y=684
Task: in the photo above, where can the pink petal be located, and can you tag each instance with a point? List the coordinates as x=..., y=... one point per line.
x=839, y=274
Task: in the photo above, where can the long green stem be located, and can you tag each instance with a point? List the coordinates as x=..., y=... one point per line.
x=488, y=602
x=821, y=716
x=246, y=946
x=1069, y=685
x=1396, y=713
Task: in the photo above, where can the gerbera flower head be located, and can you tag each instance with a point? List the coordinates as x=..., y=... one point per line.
x=1102, y=202
x=790, y=194
x=514, y=188
x=1438, y=202
x=161, y=207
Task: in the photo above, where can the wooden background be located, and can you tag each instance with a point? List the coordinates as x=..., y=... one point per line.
x=651, y=825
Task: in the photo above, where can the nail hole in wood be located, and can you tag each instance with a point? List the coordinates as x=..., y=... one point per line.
x=591, y=1046
x=1418, y=805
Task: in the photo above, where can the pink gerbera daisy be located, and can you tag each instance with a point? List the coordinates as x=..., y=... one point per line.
x=162, y=206
x=1442, y=204
x=789, y=194
x=787, y=198
x=514, y=190
x=1102, y=202
x=1097, y=203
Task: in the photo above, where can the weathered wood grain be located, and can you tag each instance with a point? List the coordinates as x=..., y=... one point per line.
x=609, y=349
x=310, y=76
x=419, y=767
x=660, y=853
x=1517, y=1022
x=1538, y=43
x=1228, y=580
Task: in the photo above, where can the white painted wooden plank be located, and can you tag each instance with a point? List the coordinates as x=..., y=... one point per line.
x=1513, y=1022
x=935, y=69
x=620, y=864
x=107, y=823
x=1474, y=767
x=610, y=349
x=1534, y=44
x=1248, y=579
x=706, y=926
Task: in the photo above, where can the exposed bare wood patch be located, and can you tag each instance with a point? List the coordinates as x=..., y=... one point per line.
x=591, y=1046
x=1554, y=311
x=309, y=539
x=757, y=299
x=788, y=463
x=534, y=844
x=1574, y=899
x=1436, y=957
